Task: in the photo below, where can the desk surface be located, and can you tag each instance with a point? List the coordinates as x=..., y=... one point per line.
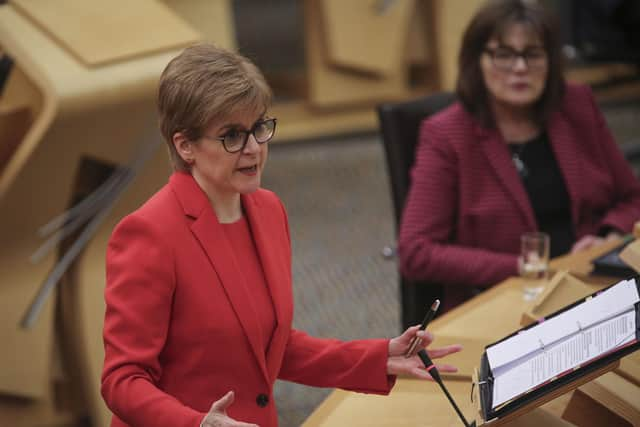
x=486, y=318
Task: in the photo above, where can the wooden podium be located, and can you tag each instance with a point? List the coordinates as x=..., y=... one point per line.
x=487, y=318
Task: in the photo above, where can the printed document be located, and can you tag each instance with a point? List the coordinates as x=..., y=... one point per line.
x=565, y=342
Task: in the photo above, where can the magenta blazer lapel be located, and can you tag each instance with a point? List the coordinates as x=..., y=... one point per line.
x=208, y=231
x=498, y=155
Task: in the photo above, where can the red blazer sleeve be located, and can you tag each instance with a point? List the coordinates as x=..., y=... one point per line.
x=625, y=210
x=358, y=365
x=428, y=221
x=140, y=280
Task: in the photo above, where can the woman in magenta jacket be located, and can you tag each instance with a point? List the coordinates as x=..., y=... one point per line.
x=521, y=151
x=198, y=297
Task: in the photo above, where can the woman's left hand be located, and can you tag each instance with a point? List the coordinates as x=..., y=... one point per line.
x=398, y=364
x=589, y=241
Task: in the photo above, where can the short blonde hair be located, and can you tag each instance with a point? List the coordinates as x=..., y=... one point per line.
x=205, y=84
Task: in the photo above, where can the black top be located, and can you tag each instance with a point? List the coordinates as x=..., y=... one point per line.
x=547, y=191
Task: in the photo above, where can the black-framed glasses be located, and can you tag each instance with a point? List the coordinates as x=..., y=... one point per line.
x=235, y=139
x=505, y=58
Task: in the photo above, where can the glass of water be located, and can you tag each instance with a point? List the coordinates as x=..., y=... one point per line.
x=533, y=263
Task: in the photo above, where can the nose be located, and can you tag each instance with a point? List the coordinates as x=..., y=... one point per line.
x=520, y=64
x=252, y=145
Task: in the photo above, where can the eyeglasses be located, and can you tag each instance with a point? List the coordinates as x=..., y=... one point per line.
x=505, y=58
x=235, y=140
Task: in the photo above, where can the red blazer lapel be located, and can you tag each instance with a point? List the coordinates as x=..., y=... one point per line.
x=212, y=238
x=497, y=153
x=268, y=230
x=567, y=152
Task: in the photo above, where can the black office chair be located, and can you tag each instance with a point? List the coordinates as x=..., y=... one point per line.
x=400, y=123
x=631, y=151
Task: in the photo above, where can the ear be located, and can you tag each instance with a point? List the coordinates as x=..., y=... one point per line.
x=183, y=146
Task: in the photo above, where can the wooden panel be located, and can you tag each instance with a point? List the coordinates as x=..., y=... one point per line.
x=19, y=92
x=562, y=290
x=83, y=294
x=26, y=368
x=450, y=19
x=98, y=32
x=614, y=400
x=631, y=254
x=583, y=411
x=363, y=35
x=213, y=19
x=29, y=413
x=297, y=121
x=618, y=394
x=420, y=43
x=331, y=86
x=598, y=73
x=629, y=368
x=13, y=127
x=485, y=315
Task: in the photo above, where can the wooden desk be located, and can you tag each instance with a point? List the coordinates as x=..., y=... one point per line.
x=487, y=318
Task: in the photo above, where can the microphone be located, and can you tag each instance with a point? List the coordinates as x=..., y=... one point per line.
x=415, y=342
x=431, y=368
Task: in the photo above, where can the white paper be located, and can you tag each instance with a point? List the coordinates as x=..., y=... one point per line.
x=527, y=373
x=609, y=303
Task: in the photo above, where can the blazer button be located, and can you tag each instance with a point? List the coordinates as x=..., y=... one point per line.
x=262, y=400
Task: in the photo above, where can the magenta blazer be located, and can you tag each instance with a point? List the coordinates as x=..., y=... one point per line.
x=467, y=206
x=180, y=329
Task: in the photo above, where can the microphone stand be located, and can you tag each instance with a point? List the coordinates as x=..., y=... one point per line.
x=431, y=368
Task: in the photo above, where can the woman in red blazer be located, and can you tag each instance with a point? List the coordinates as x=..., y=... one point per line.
x=199, y=301
x=521, y=151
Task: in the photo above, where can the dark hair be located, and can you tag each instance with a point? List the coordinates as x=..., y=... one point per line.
x=492, y=21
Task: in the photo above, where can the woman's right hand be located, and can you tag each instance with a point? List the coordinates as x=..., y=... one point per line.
x=217, y=416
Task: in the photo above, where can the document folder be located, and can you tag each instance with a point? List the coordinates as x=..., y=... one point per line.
x=610, y=263
x=605, y=315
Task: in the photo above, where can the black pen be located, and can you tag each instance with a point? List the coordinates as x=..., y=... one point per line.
x=416, y=341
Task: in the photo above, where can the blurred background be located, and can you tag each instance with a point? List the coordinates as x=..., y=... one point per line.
x=78, y=137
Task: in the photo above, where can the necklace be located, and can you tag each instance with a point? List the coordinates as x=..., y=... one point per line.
x=516, y=156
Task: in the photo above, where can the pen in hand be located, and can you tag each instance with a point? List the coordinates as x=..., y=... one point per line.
x=416, y=341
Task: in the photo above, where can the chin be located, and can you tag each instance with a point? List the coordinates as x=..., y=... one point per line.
x=522, y=101
x=248, y=188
